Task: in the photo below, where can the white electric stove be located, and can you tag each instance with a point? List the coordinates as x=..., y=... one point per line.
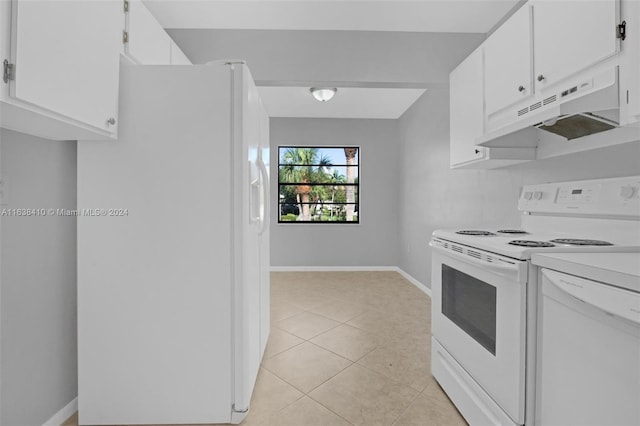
x=485, y=290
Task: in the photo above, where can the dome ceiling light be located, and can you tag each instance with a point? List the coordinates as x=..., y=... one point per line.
x=323, y=94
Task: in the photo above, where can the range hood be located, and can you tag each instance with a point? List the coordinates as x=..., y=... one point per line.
x=581, y=108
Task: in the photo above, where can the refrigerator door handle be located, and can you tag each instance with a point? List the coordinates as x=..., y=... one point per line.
x=255, y=192
x=264, y=202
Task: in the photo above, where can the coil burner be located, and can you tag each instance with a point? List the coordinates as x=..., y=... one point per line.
x=474, y=232
x=530, y=243
x=581, y=242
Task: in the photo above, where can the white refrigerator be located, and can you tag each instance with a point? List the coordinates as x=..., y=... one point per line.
x=173, y=250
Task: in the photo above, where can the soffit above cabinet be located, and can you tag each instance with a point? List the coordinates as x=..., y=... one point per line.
x=349, y=102
x=459, y=16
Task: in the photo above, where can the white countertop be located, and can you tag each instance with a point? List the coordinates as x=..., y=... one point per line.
x=619, y=269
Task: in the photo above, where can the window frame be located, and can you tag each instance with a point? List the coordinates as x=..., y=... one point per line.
x=356, y=185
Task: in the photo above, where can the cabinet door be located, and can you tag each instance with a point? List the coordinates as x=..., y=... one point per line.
x=570, y=36
x=466, y=109
x=630, y=67
x=507, y=62
x=67, y=57
x=149, y=44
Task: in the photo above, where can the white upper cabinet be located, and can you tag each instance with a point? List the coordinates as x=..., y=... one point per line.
x=66, y=59
x=630, y=68
x=508, y=62
x=148, y=43
x=467, y=121
x=569, y=36
x=532, y=67
x=466, y=110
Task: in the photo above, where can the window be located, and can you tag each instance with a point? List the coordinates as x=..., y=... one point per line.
x=318, y=184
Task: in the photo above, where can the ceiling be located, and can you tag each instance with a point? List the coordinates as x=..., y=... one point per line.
x=467, y=16
x=349, y=102
x=285, y=100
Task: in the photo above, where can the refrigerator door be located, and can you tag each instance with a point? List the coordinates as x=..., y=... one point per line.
x=248, y=212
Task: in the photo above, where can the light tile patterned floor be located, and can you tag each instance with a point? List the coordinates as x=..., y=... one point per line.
x=347, y=348
x=356, y=347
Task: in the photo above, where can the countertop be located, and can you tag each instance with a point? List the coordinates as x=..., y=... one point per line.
x=619, y=269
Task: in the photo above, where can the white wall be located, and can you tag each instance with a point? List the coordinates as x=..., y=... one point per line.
x=357, y=57
x=372, y=242
x=38, y=281
x=434, y=196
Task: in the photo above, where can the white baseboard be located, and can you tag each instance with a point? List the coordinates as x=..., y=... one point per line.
x=426, y=290
x=67, y=411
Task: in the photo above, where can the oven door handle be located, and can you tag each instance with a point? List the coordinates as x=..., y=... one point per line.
x=501, y=268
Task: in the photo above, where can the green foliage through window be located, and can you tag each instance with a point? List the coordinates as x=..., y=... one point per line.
x=318, y=184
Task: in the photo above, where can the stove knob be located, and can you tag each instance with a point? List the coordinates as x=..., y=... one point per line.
x=527, y=195
x=537, y=195
x=627, y=192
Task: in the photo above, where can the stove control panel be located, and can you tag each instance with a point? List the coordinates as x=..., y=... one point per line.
x=577, y=194
x=615, y=196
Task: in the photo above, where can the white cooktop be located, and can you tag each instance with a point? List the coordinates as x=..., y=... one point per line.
x=619, y=269
x=499, y=243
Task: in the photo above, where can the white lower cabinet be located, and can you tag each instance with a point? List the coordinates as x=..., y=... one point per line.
x=65, y=61
x=466, y=84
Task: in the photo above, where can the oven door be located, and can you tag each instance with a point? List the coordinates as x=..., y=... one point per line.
x=478, y=316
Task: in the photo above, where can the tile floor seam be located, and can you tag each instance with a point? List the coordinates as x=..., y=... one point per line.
x=322, y=315
x=315, y=335
x=329, y=350
x=279, y=410
x=281, y=329
x=342, y=417
x=311, y=390
x=284, y=380
x=342, y=356
x=395, y=422
x=282, y=351
x=344, y=322
x=417, y=393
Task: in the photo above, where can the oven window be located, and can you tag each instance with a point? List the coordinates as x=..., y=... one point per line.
x=471, y=305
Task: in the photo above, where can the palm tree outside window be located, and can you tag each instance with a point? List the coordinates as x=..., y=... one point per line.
x=318, y=184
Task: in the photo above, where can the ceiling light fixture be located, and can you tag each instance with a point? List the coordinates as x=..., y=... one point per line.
x=323, y=94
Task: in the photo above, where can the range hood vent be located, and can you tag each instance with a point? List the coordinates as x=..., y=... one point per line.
x=580, y=109
x=577, y=125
